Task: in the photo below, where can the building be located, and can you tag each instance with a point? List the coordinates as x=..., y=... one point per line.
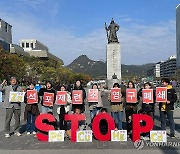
x=168, y=68
x=178, y=35
x=154, y=71
x=35, y=48
x=16, y=49
x=163, y=69
x=5, y=35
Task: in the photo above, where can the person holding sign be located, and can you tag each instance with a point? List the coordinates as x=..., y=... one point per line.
x=63, y=100
x=167, y=108
x=31, y=108
x=12, y=107
x=116, y=99
x=47, y=96
x=131, y=104
x=95, y=100
x=147, y=97
x=79, y=87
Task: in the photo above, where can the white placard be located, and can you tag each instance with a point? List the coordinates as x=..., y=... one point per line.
x=118, y=135
x=158, y=136
x=56, y=135
x=84, y=136
x=0, y=97
x=16, y=96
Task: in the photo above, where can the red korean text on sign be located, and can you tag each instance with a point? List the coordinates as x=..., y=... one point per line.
x=115, y=94
x=61, y=98
x=161, y=94
x=32, y=97
x=93, y=95
x=77, y=97
x=48, y=99
x=131, y=95
x=147, y=95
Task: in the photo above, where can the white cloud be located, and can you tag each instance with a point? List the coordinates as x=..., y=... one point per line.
x=139, y=43
x=32, y=3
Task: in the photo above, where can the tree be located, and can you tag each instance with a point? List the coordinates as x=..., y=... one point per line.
x=11, y=65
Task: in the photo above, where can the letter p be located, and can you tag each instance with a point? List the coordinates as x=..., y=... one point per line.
x=137, y=128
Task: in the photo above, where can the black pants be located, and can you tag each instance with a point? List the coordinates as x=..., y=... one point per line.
x=129, y=112
x=151, y=114
x=62, y=122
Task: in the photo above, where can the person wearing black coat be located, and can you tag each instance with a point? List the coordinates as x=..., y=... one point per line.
x=167, y=108
x=49, y=89
x=78, y=86
x=147, y=108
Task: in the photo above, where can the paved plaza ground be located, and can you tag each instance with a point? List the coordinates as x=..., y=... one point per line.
x=26, y=143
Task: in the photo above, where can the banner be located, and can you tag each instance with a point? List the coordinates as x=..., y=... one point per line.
x=77, y=97
x=93, y=95
x=115, y=94
x=32, y=97
x=48, y=99
x=118, y=135
x=161, y=94
x=147, y=95
x=16, y=96
x=158, y=136
x=84, y=136
x=131, y=95
x=0, y=97
x=61, y=98
x=56, y=135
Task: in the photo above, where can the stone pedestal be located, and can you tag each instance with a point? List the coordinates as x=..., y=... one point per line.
x=111, y=82
x=113, y=62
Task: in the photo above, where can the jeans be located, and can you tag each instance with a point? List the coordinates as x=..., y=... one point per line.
x=117, y=116
x=170, y=119
x=46, y=109
x=30, y=126
x=93, y=113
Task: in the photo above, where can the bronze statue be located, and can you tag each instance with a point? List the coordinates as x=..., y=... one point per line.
x=112, y=28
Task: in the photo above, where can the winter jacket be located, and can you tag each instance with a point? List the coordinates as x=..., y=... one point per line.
x=172, y=97
x=80, y=106
x=147, y=107
x=7, y=90
x=41, y=94
x=33, y=108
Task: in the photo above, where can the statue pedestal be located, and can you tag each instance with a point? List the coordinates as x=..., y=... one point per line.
x=113, y=62
x=111, y=82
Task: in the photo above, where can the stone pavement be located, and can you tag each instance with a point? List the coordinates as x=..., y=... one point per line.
x=14, y=143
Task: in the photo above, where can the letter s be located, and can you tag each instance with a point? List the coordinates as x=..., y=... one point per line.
x=44, y=128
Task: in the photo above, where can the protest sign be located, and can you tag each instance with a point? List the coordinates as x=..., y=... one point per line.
x=115, y=94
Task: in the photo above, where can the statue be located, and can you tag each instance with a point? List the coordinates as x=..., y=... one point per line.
x=112, y=28
x=114, y=76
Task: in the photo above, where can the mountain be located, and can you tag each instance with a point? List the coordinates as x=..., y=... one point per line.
x=83, y=64
x=97, y=69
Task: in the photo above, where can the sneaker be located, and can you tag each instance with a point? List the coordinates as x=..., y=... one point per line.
x=18, y=134
x=7, y=135
x=172, y=136
x=28, y=133
x=34, y=133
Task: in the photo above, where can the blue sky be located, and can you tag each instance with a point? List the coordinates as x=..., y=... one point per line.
x=73, y=27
